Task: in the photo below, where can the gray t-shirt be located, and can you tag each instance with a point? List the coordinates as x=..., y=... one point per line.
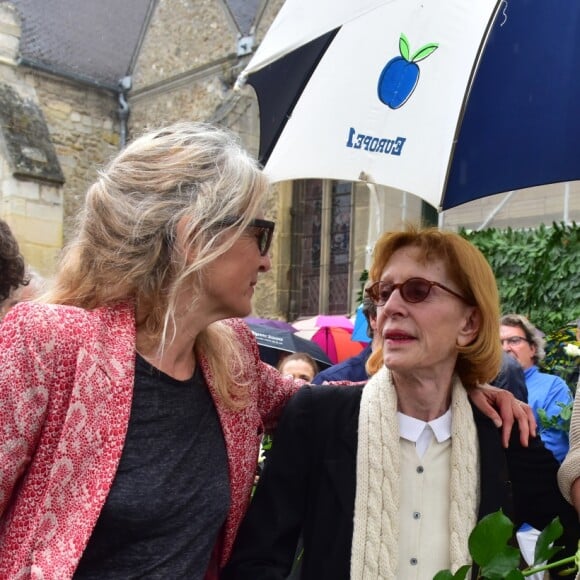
x=171, y=493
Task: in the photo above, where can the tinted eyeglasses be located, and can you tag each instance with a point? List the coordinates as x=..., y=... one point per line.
x=264, y=231
x=412, y=290
x=514, y=340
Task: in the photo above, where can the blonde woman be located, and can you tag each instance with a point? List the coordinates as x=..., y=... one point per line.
x=128, y=443
x=131, y=409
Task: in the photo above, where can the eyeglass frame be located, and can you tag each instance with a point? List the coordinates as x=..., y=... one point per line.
x=370, y=291
x=266, y=228
x=515, y=340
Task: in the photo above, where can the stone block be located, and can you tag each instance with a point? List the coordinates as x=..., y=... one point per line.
x=61, y=106
x=16, y=206
x=51, y=195
x=38, y=231
x=44, y=212
x=8, y=186
x=28, y=189
x=43, y=259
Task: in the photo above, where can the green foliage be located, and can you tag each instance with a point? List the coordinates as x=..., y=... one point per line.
x=558, y=361
x=362, y=280
x=538, y=275
x=489, y=546
x=537, y=270
x=561, y=421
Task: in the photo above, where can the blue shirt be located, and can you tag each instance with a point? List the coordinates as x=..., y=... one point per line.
x=352, y=369
x=545, y=392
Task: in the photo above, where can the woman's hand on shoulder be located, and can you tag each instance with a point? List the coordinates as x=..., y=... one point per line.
x=504, y=409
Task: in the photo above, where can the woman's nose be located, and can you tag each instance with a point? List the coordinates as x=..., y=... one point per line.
x=394, y=304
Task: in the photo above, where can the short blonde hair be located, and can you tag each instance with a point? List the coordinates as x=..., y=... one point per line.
x=480, y=361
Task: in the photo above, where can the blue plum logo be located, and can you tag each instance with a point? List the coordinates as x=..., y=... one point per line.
x=401, y=74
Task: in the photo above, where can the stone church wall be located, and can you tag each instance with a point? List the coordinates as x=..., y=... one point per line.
x=82, y=126
x=193, y=79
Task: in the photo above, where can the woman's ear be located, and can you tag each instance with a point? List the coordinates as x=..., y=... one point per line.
x=470, y=329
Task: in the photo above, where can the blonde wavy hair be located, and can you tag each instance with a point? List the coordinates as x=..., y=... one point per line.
x=125, y=245
x=480, y=361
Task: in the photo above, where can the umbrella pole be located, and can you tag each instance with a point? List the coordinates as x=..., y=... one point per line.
x=374, y=210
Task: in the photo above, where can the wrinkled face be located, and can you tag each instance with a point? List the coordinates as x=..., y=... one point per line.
x=299, y=369
x=421, y=339
x=515, y=343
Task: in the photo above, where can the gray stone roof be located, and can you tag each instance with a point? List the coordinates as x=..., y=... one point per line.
x=91, y=40
x=96, y=40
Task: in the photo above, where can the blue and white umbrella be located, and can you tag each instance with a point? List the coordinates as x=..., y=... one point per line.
x=451, y=101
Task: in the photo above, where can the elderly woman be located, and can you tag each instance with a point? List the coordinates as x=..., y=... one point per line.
x=131, y=410
x=522, y=342
x=388, y=481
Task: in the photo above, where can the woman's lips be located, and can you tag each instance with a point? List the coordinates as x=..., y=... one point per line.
x=398, y=337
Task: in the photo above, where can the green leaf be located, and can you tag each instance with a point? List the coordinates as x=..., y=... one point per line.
x=502, y=565
x=443, y=575
x=461, y=574
x=424, y=52
x=544, y=551
x=488, y=544
x=404, y=47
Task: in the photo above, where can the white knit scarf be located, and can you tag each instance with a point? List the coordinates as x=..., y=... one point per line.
x=376, y=516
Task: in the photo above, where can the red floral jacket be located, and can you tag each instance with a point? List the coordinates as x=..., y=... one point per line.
x=66, y=382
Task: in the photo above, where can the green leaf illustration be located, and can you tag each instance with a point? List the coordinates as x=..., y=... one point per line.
x=404, y=47
x=424, y=52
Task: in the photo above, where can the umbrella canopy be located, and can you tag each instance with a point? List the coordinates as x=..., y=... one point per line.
x=478, y=95
x=311, y=325
x=332, y=333
x=274, y=341
x=336, y=343
x=279, y=324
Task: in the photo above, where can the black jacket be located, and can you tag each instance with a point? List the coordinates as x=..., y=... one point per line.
x=308, y=488
x=511, y=378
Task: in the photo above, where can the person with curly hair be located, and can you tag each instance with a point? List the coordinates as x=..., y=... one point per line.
x=12, y=268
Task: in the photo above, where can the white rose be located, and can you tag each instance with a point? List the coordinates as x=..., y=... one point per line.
x=572, y=350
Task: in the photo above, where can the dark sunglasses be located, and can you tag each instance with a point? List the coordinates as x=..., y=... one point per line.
x=264, y=231
x=412, y=290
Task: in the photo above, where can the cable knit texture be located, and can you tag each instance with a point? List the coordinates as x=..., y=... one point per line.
x=376, y=518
